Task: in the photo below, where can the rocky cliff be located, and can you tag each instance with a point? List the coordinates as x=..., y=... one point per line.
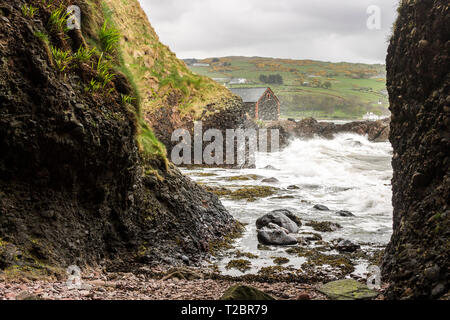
x=82, y=180
x=376, y=131
x=417, y=259
x=172, y=97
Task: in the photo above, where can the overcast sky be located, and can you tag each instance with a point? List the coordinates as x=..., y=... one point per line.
x=327, y=30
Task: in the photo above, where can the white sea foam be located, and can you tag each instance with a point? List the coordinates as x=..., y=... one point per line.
x=345, y=173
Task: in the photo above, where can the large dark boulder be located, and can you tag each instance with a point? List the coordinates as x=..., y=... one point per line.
x=321, y=207
x=280, y=218
x=277, y=237
x=417, y=259
x=345, y=213
x=347, y=246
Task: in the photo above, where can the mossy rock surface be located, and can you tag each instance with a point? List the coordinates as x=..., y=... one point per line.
x=240, y=293
x=241, y=265
x=324, y=226
x=247, y=177
x=250, y=193
x=347, y=290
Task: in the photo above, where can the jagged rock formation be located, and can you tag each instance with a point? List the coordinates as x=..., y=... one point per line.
x=376, y=131
x=417, y=259
x=74, y=186
x=172, y=96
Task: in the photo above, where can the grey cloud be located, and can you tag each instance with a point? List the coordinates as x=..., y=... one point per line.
x=302, y=29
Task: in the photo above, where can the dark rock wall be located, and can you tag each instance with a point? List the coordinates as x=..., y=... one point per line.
x=229, y=113
x=417, y=259
x=73, y=185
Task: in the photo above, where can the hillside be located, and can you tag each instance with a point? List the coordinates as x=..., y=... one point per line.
x=310, y=88
x=159, y=75
x=170, y=95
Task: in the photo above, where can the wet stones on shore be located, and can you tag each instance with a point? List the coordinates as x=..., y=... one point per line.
x=290, y=215
x=280, y=260
x=311, y=236
x=347, y=290
x=240, y=264
x=250, y=193
x=324, y=226
x=345, y=213
x=322, y=260
x=182, y=274
x=347, y=246
x=283, y=197
x=277, y=237
x=280, y=218
x=203, y=174
x=321, y=207
x=248, y=177
x=276, y=228
x=239, y=254
x=340, y=263
x=270, y=180
x=269, y=167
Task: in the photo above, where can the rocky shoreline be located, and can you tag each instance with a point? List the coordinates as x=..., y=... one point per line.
x=376, y=131
x=160, y=283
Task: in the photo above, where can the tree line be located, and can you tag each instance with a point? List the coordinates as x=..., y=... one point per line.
x=271, y=79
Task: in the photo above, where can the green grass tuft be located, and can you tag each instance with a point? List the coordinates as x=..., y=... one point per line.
x=103, y=69
x=109, y=38
x=127, y=99
x=58, y=20
x=42, y=36
x=62, y=59
x=148, y=142
x=47, y=3
x=29, y=10
x=83, y=54
x=93, y=85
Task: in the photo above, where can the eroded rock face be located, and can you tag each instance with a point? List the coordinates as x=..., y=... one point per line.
x=74, y=189
x=417, y=259
x=376, y=131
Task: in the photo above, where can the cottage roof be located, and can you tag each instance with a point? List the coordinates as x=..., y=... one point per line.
x=249, y=94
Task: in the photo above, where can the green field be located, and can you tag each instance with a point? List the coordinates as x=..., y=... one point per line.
x=353, y=89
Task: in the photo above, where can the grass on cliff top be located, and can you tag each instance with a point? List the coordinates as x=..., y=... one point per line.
x=106, y=36
x=159, y=74
x=104, y=54
x=148, y=142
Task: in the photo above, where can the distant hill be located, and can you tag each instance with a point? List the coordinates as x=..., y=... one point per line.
x=306, y=88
